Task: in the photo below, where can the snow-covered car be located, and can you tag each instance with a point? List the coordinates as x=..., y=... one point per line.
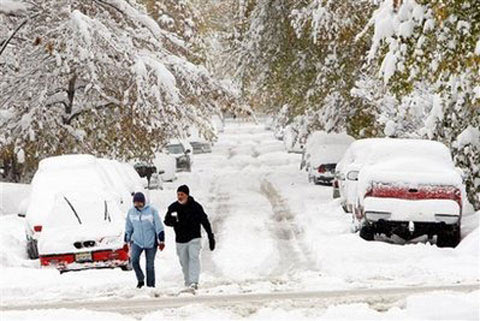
x=279, y=133
x=410, y=187
x=135, y=182
x=292, y=142
x=119, y=182
x=181, y=150
x=74, y=188
x=346, y=170
x=84, y=231
x=166, y=166
x=200, y=146
x=322, y=153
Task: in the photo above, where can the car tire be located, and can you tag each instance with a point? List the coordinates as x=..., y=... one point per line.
x=449, y=237
x=127, y=267
x=367, y=232
x=32, y=249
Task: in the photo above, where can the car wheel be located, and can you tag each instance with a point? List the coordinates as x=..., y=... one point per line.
x=127, y=267
x=32, y=249
x=450, y=237
x=367, y=232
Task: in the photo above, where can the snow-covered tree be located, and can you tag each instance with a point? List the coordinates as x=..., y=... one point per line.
x=99, y=76
x=305, y=54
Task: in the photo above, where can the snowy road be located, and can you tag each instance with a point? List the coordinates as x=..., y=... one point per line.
x=380, y=299
x=275, y=232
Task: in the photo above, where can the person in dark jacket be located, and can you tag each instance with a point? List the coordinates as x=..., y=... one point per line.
x=144, y=232
x=186, y=216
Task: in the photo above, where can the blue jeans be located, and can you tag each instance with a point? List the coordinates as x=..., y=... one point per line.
x=150, y=258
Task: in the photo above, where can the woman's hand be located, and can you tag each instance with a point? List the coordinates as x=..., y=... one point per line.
x=161, y=246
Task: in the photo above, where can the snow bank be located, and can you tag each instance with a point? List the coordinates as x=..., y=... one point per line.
x=64, y=315
x=11, y=196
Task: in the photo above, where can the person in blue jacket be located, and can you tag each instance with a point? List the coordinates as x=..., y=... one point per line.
x=144, y=232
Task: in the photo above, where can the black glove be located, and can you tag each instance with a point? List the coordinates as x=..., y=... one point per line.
x=211, y=242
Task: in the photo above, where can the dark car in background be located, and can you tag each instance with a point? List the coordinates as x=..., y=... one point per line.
x=181, y=151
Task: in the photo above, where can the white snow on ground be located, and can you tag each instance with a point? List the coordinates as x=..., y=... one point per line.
x=274, y=231
x=10, y=197
x=434, y=306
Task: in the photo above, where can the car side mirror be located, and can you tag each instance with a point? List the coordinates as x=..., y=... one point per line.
x=188, y=151
x=352, y=176
x=22, y=215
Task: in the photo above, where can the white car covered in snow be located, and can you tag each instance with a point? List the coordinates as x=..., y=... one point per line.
x=322, y=153
x=73, y=220
x=347, y=169
x=410, y=187
x=120, y=183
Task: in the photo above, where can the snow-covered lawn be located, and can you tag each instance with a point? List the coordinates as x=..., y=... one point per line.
x=275, y=232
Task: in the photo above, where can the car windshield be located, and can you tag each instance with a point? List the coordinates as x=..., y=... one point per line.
x=79, y=208
x=175, y=149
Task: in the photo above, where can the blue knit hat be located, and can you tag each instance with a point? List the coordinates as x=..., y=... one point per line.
x=139, y=197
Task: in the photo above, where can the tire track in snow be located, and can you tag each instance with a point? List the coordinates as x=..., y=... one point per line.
x=294, y=253
x=220, y=198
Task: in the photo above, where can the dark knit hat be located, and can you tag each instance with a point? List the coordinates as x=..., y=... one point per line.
x=139, y=197
x=183, y=189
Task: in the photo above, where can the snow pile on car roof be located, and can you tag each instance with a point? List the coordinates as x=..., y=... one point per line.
x=66, y=161
x=327, y=148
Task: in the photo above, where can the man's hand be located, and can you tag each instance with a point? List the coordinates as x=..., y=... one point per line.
x=211, y=242
x=161, y=246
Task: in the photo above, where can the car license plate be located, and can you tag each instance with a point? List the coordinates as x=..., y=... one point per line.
x=83, y=257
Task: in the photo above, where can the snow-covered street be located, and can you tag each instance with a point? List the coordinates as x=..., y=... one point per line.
x=275, y=233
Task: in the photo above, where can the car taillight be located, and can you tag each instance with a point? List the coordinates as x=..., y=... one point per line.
x=322, y=169
x=37, y=228
x=369, y=192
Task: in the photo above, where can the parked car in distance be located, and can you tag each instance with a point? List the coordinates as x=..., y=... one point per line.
x=71, y=202
x=181, y=150
x=322, y=153
x=199, y=146
x=410, y=187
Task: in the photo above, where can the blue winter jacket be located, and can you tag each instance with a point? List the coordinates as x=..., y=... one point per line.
x=144, y=227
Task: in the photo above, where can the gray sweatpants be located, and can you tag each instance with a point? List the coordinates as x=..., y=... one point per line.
x=189, y=256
